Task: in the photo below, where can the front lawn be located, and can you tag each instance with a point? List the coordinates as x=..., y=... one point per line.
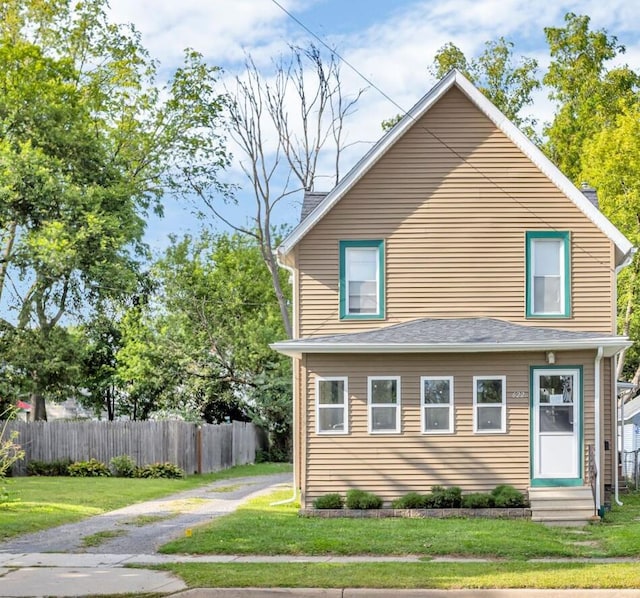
x=258, y=528
x=37, y=503
x=408, y=575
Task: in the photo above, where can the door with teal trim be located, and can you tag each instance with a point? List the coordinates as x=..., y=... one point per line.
x=557, y=427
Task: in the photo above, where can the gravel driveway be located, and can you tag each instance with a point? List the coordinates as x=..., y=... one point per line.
x=145, y=526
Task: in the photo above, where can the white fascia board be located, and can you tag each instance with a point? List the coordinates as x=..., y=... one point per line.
x=366, y=162
x=610, y=346
x=545, y=165
x=623, y=245
x=631, y=408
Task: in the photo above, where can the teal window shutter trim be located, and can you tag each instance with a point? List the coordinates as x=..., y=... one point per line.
x=379, y=313
x=565, y=238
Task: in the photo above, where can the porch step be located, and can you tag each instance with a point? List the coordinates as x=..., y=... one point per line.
x=567, y=506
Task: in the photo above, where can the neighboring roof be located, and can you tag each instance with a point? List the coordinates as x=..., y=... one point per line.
x=455, y=78
x=631, y=408
x=448, y=335
x=23, y=405
x=310, y=202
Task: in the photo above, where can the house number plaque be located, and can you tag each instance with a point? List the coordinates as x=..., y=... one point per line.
x=519, y=394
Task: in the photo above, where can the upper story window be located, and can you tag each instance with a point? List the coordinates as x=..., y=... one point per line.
x=548, y=274
x=332, y=405
x=362, y=279
x=384, y=404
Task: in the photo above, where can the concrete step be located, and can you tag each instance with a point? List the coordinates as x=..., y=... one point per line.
x=570, y=506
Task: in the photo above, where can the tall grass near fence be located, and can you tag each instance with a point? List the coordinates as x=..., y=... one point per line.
x=195, y=448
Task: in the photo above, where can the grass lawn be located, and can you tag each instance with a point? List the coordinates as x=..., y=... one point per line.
x=409, y=575
x=258, y=528
x=37, y=503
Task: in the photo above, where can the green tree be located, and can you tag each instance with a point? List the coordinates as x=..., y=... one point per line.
x=509, y=86
x=87, y=146
x=507, y=82
x=202, y=345
x=588, y=95
x=611, y=163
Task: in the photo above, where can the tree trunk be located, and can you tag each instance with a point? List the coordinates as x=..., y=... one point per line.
x=39, y=407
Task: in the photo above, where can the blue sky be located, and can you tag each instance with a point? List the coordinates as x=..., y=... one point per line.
x=392, y=42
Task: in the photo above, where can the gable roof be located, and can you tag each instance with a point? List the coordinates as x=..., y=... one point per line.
x=457, y=79
x=454, y=335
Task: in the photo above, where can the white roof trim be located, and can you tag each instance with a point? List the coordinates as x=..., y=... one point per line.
x=454, y=77
x=631, y=408
x=611, y=346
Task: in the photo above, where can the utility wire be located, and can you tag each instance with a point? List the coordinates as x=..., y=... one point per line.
x=434, y=135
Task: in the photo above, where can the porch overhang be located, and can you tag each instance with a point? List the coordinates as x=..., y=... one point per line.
x=464, y=335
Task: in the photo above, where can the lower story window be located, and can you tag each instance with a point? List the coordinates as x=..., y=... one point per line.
x=489, y=403
x=436, y=395
x=384, y=404
x=331, y=405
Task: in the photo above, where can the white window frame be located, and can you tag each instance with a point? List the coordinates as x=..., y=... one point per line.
x=344, y=406
x=397, y=404
x=502, y=405
x=424, y=406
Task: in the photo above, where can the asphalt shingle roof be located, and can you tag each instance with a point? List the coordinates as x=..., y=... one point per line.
x=310, y=201
x=461, y=330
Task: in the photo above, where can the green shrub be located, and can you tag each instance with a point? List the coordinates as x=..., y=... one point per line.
x=89, y=469
x=505, y=496
x=329, y=501
x=59, y=467
x=477, y=500
x=411, y=500
x=359, y=499
x=444, y=498
x=123, y=466
x=160, y=470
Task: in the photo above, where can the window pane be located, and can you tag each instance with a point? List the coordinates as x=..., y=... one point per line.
x=384, y=391
x=331, y=419
x=547, y=254
x=556, y=390
x=547, y=294
x=383, y=418
x=490, y=418
x=556, y=419
x=436, y=391
x=331, y=392
x=361, y=263
x=489, y=391
x=363, y=297
x=436, y=418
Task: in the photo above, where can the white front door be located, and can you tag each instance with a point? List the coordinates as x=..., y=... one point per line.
x=556, y=425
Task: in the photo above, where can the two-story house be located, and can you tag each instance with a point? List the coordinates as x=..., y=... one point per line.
x=454, y=308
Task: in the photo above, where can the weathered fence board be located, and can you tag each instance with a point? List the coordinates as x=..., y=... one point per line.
x=204, y=448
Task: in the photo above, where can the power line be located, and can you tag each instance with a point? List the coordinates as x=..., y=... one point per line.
x=427, y=130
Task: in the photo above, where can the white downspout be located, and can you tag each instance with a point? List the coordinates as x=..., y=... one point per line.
x=596, y=383
x=294, y=409
x=619, y=408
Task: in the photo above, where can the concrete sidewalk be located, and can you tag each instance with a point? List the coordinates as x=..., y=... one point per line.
x=64, y=574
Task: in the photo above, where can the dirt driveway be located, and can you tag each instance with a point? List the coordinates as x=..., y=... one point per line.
x=143, y=527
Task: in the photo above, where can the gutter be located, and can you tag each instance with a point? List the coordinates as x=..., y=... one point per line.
x=596, y=382
x=296, y=348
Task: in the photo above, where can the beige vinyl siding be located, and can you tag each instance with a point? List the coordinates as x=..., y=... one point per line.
x=394, y=464
x=453, y=218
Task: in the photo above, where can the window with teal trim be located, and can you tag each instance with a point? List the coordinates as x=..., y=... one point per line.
x=548, y=274
x=362, y=279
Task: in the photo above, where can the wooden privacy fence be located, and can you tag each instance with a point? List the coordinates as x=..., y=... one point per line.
x=195, y=448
